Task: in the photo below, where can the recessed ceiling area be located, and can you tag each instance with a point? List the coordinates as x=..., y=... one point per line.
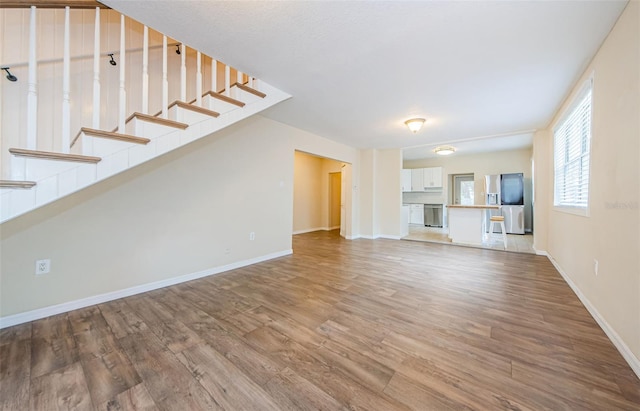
x=358, y=69
x=473, y=146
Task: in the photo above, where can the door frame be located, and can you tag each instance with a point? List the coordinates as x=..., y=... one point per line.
x=455, y=183
x=332, y=199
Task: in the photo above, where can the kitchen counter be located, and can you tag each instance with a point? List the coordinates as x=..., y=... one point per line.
x=473, y=206
x=466, y=223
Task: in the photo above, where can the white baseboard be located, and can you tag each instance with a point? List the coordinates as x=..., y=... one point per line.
x=39, y=313
x=310, y=230
x=627, y=354
x=540, y=252
x=349, y=237
x=388, y=237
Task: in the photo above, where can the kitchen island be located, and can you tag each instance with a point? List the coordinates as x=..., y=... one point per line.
x=466, y=223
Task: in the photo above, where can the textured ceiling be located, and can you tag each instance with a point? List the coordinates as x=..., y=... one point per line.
x=358, y=69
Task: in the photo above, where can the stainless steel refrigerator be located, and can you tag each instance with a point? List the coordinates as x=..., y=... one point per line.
x=506, y=191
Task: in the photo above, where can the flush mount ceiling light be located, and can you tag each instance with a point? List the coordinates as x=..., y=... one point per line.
x=444, y=150
x=415, y=124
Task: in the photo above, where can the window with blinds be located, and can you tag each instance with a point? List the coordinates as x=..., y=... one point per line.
x=571, y=153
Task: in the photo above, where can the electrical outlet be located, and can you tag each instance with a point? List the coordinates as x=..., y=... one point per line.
x=227, y=250
x=252, y=236
x=595, y=267
x=43, y=266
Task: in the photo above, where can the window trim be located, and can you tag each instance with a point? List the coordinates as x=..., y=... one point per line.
x=576, y=99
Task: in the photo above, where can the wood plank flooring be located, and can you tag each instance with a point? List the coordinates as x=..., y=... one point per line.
x=339, y=325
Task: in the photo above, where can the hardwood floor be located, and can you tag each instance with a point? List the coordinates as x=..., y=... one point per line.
x=364, y=324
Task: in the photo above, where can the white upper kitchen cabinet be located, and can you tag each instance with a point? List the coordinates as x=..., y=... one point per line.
x=406, y=179
x=421, y=179
x=417, y=179
x=432, y=177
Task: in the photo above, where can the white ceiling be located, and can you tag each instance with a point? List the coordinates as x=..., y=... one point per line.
x=358, y=69
x=473, y=145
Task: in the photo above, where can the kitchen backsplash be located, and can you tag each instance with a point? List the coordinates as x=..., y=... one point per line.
x=423, y=198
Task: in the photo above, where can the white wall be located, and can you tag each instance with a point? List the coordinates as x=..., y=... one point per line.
x=611, y=232
x=367, y=193
x=543, y=188
x=389, y=192
x=381, y=193
x=189, y=211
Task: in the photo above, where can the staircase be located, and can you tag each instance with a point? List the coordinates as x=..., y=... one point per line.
x=39, y=177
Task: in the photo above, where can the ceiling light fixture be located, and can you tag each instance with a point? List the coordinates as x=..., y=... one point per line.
x=444, y=150
x=415, y=124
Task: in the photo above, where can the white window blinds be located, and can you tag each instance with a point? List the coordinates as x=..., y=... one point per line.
x=571, y=149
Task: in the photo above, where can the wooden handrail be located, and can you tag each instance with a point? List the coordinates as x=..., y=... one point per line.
x=86, y=56
x=51, y=4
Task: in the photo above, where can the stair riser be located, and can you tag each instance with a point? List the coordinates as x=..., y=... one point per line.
x=138, y=153
x=244, y=96
x=104, y=146
x=36, y=169
x=187, y=116
x=217, y=105
x=147, y=129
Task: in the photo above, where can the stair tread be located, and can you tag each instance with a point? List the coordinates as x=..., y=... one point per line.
x=250, y=90
x=53, y=4
x=158, y=120
x=16, y=184
x=224, y=98
x=197, y=109
x=110, y=135
x=48, y=155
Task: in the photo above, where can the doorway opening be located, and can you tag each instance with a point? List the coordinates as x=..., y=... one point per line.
x=320, y=198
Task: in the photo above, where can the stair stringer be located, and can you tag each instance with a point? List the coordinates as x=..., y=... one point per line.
x=16, y=202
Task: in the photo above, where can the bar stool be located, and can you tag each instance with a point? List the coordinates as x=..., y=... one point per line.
x=495, y=220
